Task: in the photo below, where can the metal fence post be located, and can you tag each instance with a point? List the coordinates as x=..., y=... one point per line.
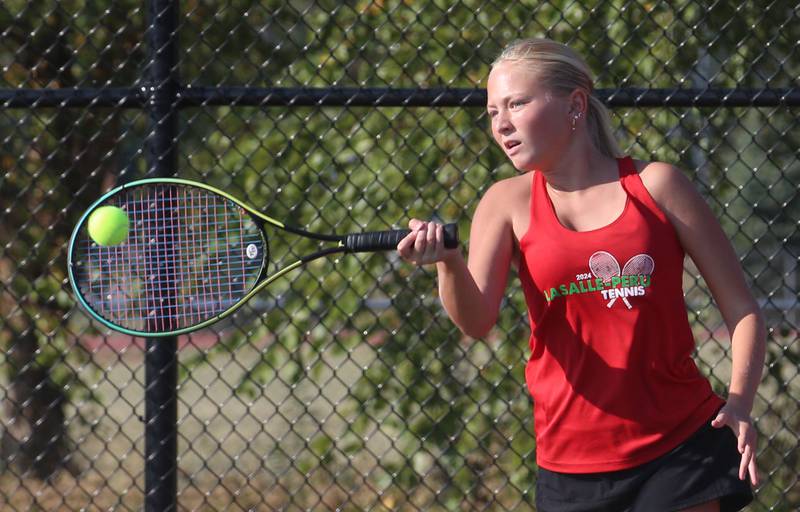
x=161, y=359
x=347, y=386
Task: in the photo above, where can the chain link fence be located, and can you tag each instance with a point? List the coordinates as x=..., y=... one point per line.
x=345, y=386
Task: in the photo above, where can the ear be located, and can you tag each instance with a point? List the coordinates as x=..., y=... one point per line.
x=578, y=102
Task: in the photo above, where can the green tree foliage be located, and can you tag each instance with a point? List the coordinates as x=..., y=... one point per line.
x=456, y=411
x=53, y=160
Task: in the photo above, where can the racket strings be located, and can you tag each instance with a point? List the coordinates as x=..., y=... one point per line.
x=604, y=265
x=189, y=255
x=641, y=264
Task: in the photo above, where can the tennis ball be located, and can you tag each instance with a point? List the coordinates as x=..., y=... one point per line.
x=108, y=225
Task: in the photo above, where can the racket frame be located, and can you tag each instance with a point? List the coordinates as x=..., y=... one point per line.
x=260, y=283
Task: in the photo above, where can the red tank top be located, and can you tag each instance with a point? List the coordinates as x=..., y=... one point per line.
x=610, y=369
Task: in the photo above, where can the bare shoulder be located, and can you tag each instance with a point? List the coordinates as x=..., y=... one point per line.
x=503, y=197
x=510, y=188
x=505, y=205
x=669, y=187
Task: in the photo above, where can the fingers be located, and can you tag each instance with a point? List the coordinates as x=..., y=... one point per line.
x=747, y=467
x=753, y=470
x=406, y=245
x=431, y=248
x=421, y=242
x=415, y=224
x=424, y=244
x=744, y=464
x=747, y=443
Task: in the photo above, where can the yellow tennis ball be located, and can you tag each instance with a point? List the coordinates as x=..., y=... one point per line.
x=108, y=225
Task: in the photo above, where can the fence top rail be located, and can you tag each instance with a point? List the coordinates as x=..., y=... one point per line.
x=141, y=97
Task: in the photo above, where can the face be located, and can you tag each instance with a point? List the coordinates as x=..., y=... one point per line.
x=530, y=124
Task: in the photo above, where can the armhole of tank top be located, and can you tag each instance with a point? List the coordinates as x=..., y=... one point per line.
x=634, y=186
x=528, y=287
x=523, y=241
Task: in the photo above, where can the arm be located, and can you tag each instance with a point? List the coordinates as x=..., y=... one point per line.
x=470, y=292
x=705, y=242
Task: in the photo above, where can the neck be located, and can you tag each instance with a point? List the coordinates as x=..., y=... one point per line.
x=581, y=166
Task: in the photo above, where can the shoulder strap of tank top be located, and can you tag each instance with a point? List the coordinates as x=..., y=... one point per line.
x=626, y=166
x=542, y=214
x=633, y=185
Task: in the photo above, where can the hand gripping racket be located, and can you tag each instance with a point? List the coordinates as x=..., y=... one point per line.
x=193, y=255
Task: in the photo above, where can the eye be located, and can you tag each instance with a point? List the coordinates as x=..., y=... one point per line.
x=492, y=113
x=516, y=104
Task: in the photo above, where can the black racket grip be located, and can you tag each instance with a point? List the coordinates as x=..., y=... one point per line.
x=387, y=240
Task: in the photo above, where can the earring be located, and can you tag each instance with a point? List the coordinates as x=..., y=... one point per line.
x=575, y=119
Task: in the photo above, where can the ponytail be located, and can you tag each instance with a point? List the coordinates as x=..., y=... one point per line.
x=598, y=122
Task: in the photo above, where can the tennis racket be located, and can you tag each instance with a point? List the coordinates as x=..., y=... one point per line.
x=604, y=265
x=193, y=255
x=639, y=265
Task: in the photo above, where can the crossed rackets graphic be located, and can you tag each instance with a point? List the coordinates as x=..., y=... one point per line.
x=605, y=266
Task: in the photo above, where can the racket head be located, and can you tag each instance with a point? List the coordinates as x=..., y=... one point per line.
x=604, y=265
x=193, y=255
x=641, y=264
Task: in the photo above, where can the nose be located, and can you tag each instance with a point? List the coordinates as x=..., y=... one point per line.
x=502, y=122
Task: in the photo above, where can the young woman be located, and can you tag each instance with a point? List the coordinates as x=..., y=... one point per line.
x=624, y=420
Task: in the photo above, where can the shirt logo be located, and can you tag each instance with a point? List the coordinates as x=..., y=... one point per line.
x=611, y=281
x=606, y=267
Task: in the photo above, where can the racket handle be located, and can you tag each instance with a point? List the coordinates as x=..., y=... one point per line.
x=387, y=240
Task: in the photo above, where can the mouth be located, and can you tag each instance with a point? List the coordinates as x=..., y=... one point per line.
x=509, y=145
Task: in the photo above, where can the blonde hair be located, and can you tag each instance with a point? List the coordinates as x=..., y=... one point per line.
x=562, y=70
